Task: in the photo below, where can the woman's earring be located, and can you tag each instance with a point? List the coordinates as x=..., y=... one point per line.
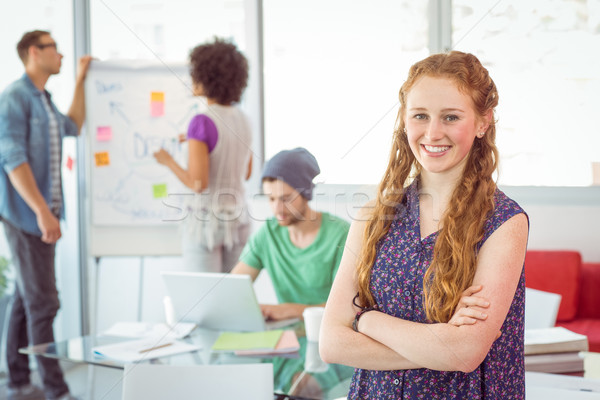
x=404, y=130
x=481, y=134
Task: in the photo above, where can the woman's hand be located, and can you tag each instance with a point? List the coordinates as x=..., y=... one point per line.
x=163, y=157
x=469, y=308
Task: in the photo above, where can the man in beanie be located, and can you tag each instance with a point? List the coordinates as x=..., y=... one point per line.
x=300, y=248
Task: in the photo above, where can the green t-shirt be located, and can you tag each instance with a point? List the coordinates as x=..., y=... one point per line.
x=299, y=275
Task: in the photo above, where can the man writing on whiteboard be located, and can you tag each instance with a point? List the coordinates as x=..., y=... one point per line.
x=31, y=204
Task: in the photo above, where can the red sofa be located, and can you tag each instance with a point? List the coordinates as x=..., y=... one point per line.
x=578, y=283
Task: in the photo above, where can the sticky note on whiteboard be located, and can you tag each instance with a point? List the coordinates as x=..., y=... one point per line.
x=69, y=163
x=157, y=104
x=102, y=159
x=157, y=96
x=159, y=190
x=104, y=133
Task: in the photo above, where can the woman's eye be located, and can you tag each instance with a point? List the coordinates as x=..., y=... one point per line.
x=420, y=116
x=451, y=118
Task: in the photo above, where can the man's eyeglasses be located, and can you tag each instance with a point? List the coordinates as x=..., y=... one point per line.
x=44, y=45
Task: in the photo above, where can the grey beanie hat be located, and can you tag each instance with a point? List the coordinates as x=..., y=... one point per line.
x=296, y=167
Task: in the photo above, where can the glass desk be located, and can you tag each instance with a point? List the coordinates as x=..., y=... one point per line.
x=299, y=375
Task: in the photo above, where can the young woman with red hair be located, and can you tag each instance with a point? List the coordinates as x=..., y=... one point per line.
x=408, y=308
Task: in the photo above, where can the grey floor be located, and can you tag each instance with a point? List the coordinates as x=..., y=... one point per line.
x=87, y=383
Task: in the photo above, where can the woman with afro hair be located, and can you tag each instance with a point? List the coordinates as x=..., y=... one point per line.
x=219, y=160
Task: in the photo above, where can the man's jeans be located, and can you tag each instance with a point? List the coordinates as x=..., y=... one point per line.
x=34, y=307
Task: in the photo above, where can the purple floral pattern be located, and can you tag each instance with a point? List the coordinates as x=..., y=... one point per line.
x=397, y=285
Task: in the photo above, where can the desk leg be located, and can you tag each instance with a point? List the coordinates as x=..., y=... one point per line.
x=141, y=291
x=91, y=378
x=91, y=382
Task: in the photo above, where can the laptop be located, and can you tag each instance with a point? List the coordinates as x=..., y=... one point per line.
x=218, y=301
x=148, y=381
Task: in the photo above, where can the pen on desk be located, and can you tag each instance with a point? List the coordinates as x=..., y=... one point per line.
x=155, y=347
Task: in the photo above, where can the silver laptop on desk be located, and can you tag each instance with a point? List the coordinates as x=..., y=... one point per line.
x=224, y=302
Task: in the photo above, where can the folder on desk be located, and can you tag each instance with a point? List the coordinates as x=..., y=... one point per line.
x=258, y=341
x=288, y=343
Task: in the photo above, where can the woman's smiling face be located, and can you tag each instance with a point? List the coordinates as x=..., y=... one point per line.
x=441, y=124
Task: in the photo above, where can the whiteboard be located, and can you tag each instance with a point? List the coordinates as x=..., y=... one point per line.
x=132, y=110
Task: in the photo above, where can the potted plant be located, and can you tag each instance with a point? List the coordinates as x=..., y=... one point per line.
x=4, y=268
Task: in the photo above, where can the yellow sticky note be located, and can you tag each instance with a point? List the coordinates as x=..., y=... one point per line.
x=160, y=190
x=102, y=159
x=157, y=96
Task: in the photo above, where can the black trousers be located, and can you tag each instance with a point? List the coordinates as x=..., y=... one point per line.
x=35, y=305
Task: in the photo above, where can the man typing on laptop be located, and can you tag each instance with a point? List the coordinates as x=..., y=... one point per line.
x=300, y=248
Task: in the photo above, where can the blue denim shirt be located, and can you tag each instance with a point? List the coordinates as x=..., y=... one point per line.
x=24, y=138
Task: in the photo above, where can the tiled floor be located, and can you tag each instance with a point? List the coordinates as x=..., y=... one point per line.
x=87, y=383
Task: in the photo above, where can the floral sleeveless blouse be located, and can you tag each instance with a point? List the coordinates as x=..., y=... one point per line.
x=397, y=285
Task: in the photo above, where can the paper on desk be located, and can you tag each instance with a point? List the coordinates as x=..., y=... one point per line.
x=148, y=330
x=591, y=365
x=136, y=350
x=231, y=341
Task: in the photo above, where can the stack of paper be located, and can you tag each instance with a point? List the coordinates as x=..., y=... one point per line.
x=555, y=363
x=137, y=350
x=554, y=350
x=554, y=340
x=256, y=341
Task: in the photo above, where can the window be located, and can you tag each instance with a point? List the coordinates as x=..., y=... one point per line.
x=332, y=72
x=161, y=30
x=56, y=17
x=543, y=57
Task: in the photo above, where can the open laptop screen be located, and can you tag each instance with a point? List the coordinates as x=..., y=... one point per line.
x=214, y=300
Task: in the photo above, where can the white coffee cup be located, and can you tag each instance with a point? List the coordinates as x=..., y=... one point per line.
x=312, y=322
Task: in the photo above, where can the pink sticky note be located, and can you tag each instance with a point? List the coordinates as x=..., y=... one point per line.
x=69, y=163
x=157, y=108
x=104, y=133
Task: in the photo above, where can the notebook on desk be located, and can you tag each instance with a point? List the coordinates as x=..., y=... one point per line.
x=224, y=302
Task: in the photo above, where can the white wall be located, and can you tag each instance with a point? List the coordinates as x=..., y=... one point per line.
x=560, y=218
